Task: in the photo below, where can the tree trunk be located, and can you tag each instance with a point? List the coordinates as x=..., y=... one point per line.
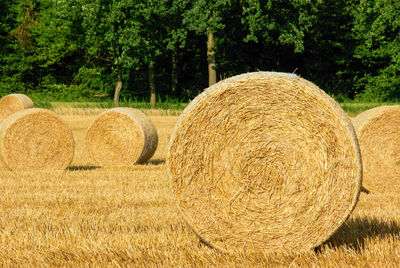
x=118, y=87
x=152, y=85
x=174, y=73
x=212, y=73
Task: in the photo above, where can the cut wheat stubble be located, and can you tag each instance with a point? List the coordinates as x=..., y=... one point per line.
x=264, y=161
x=121, y=137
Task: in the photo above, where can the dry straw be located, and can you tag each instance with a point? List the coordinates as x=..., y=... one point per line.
x=35, y=139
x=121, y=137
x=12, y=103
x=378, y=132
x=264, y=161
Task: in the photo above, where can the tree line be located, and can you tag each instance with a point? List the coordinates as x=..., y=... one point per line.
x=160, y=49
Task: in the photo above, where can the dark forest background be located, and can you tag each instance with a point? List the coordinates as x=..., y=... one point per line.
x=74, y=50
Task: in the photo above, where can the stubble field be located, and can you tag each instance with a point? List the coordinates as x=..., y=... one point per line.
x=126, y=216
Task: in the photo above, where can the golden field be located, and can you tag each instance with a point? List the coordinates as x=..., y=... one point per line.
x=126, y=217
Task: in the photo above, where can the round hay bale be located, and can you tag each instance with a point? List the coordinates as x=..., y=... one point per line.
x=35, y=139
x=121, y=137
x=264, y=162
x=12, y=103
x=378, y=132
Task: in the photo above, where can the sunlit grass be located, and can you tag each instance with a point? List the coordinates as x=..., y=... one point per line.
x=168, y=107
x=353, y=109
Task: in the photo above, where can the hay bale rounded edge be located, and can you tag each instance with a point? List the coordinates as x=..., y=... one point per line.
x=121, y=137
x=12, y=103
x=378, y=131
x=35, y=139
x=264, y=162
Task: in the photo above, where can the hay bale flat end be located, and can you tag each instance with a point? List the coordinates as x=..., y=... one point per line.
x=35, y=139
x=264, y=162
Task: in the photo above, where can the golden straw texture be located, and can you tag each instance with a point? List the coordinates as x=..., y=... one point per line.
x=121, y=137
x=264, y=161
x=35, y=139
x=12, y=103
x=378, y=132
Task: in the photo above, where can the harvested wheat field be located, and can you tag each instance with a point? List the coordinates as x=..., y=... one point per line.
x=126, y=216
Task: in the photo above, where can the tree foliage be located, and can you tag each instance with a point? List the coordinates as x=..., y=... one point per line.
x=377, y=29
x=278, y=22
x=72, y=49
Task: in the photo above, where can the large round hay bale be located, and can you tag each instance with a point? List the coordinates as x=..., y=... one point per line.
x=35, y=139
x=12, y=103
x=264, y=161
x=121, y=137
x=378, y=131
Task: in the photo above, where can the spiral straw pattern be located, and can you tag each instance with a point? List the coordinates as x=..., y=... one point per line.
x=35, y=139
x=12, y=103
x=264, y=161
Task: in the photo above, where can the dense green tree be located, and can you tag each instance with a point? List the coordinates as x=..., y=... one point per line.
x=129, y=35
x=75, y=48
x=376, y=30
x=6, y=24
x=112, y=33
x=175, y=34
x=266, y=35
x=162, y=35
x=254, y=27
x=58, y=48
x=41, y=49
x=278, y=22
x=205, y=17
x=20, y=72
x=327, y=58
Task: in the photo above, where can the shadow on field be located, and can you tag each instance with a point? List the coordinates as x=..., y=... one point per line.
x=156, y=162
x=75, y=168
x=354, y=232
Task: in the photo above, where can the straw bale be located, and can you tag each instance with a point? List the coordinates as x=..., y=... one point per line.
x=35, y=139
x=12, y=103
x=378, y=131
x=121, y=137
x=264, y=162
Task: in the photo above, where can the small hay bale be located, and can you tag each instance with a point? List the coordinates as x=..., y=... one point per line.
x=264, y=162
x=378, y=132
x=12, y=103
x=121, y=137
x=35, y=139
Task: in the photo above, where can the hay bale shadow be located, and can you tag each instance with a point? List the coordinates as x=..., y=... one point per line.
x=354, y=232
x=155, y=162
x=75, y=168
